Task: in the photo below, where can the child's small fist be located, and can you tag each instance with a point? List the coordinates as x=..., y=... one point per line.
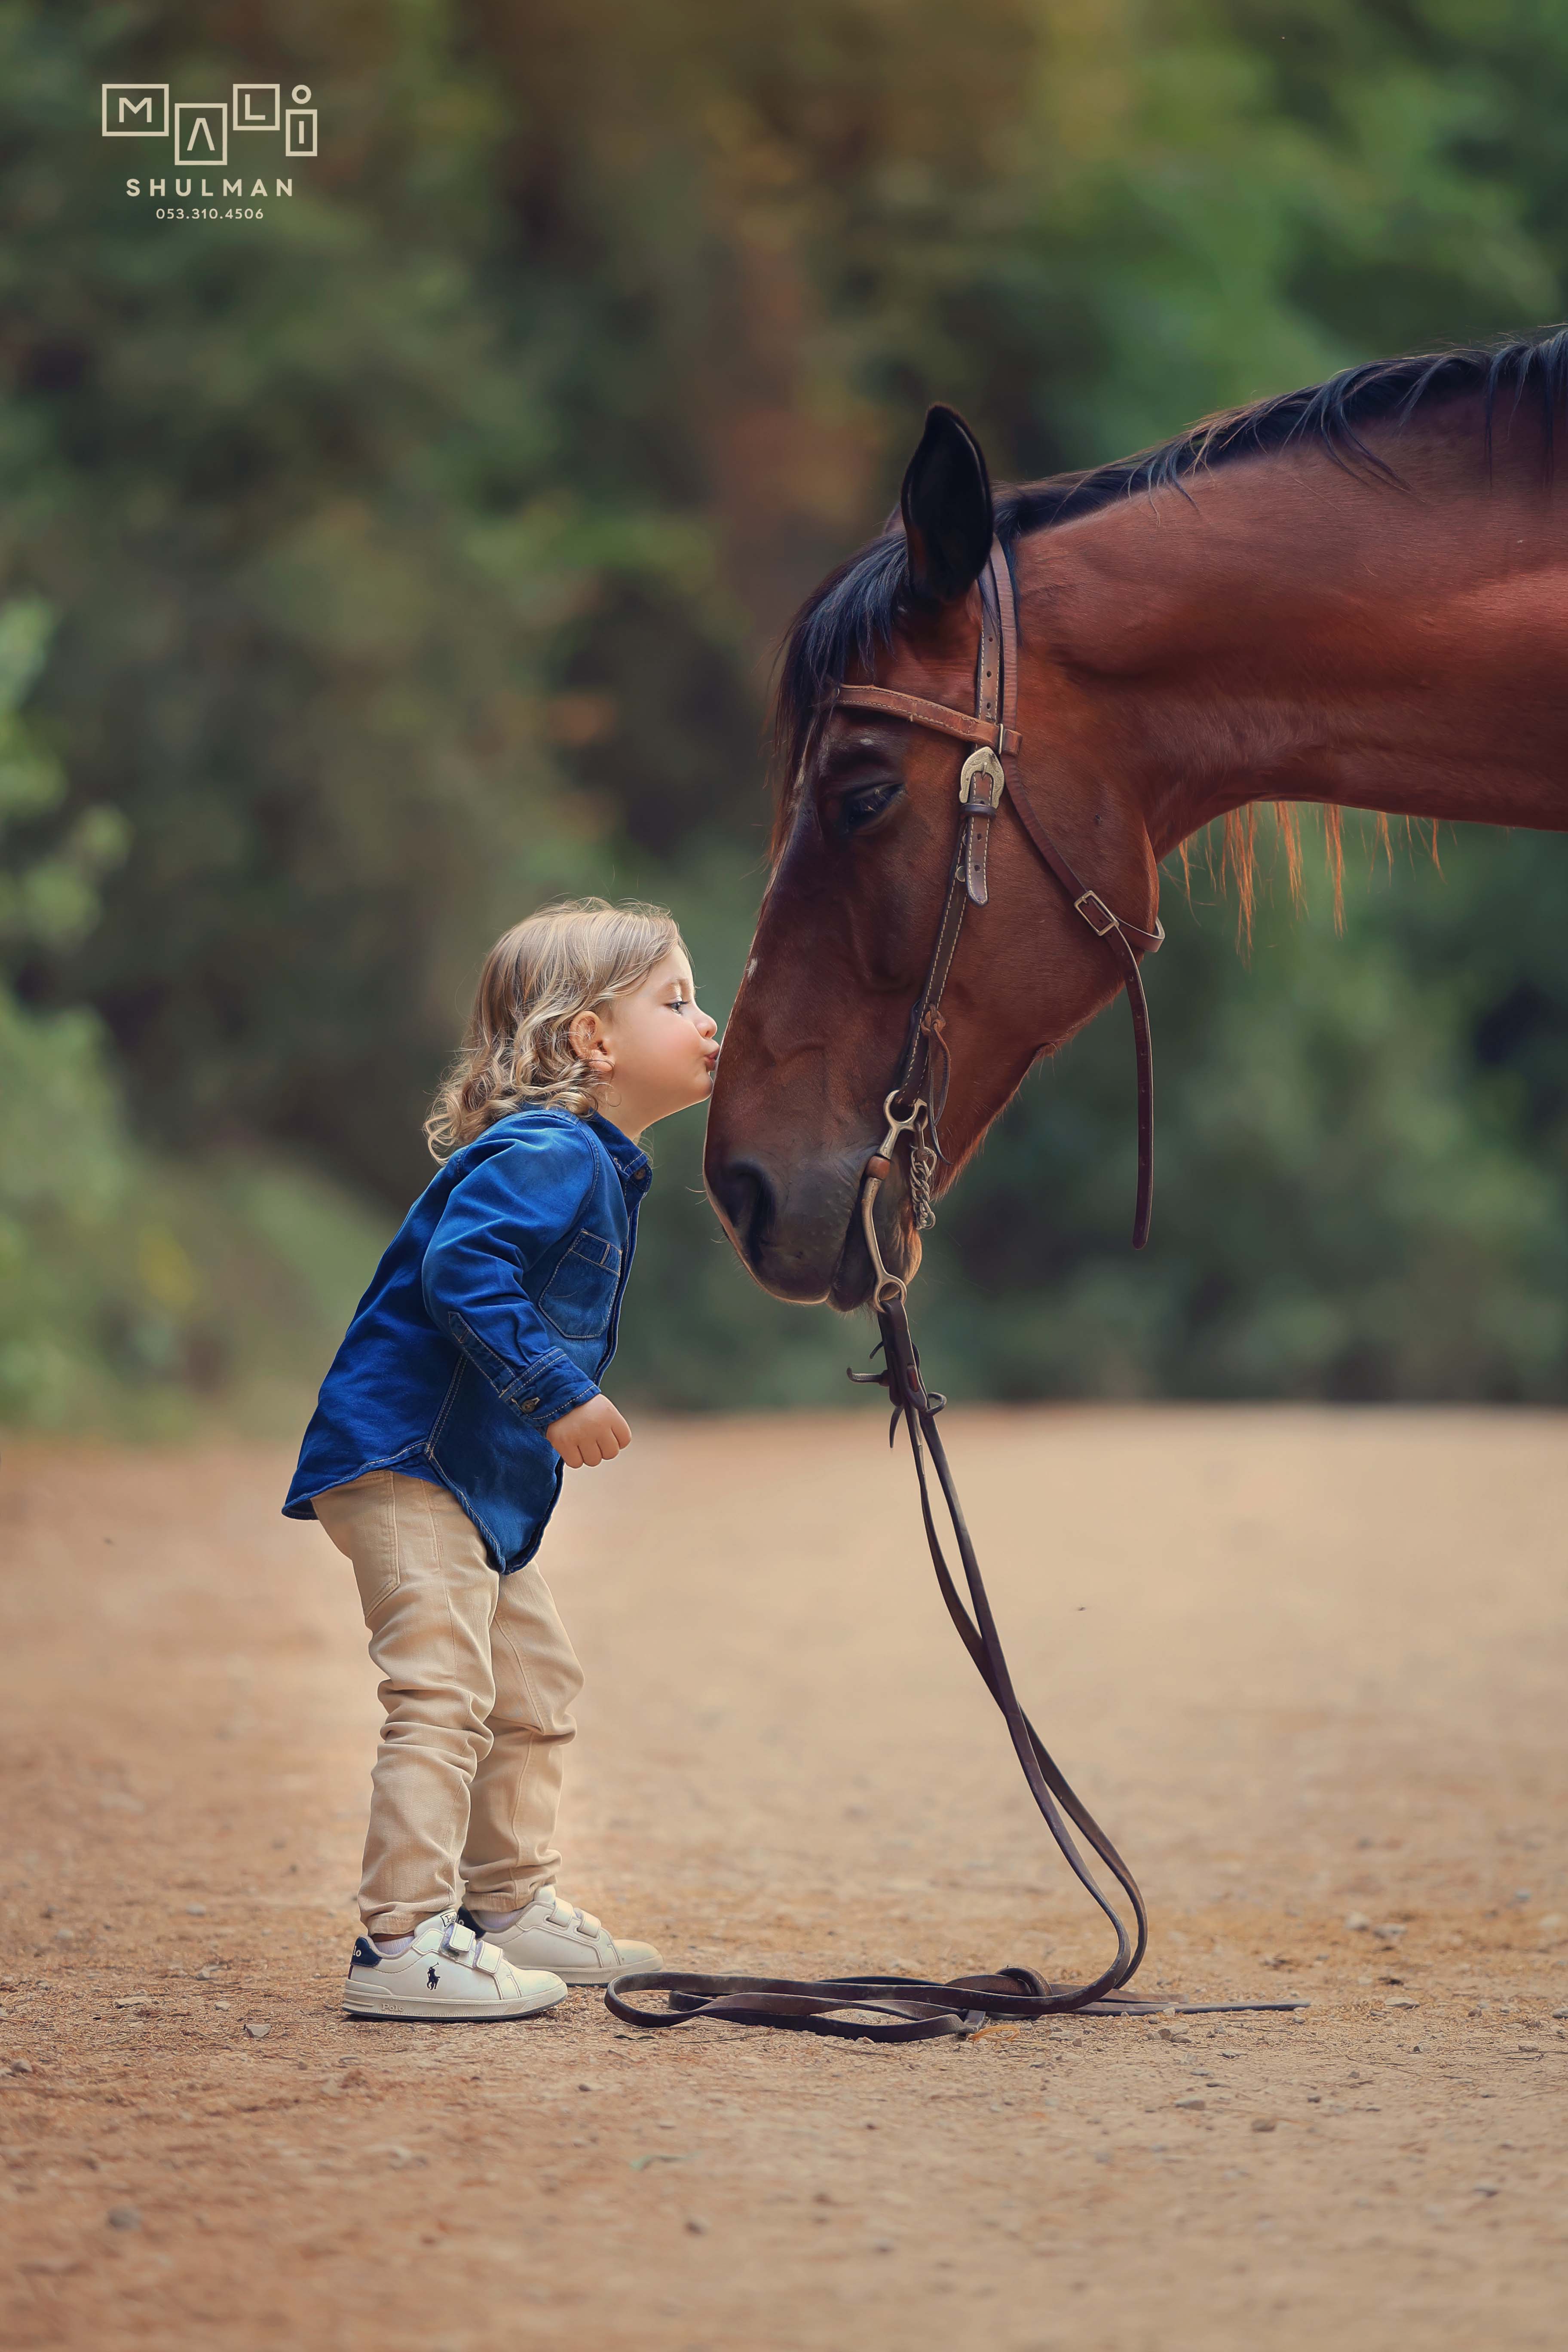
x=590, y=1434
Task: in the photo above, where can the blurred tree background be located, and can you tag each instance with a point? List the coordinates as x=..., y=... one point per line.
x=373, y=571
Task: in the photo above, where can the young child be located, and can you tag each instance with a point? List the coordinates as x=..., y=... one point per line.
x=468, y=1380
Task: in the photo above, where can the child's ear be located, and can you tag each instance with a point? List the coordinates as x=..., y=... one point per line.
x=589, y=1043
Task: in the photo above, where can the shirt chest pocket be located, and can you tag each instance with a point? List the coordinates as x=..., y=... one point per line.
x=578, y=1296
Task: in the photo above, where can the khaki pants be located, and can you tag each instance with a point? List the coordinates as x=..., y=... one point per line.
x=477, y=1679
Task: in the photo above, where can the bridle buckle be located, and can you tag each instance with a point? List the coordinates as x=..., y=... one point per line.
x=1091, y=905
x=985, y=763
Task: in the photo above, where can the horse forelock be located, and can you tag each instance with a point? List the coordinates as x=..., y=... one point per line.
x=849, y=620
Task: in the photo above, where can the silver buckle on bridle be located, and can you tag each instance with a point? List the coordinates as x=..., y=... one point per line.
x=983, y=762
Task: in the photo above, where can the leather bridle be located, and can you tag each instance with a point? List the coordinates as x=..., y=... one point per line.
x=914, y=1105
x=901, y=2009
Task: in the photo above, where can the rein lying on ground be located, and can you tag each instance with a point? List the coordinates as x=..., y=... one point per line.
x=904, y=2009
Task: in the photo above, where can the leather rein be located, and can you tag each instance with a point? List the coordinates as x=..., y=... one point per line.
x=901, y=2009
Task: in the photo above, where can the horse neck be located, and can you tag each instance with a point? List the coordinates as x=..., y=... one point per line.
x=1296, y=632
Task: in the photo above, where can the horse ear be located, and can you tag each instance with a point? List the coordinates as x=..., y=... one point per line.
x=946, y=506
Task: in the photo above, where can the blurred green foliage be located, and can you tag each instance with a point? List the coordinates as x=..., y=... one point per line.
x=129, y=1285
x=378, y=569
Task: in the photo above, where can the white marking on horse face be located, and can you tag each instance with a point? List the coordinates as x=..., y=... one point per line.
x=751, y=967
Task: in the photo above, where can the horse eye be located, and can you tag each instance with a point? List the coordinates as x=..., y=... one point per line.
x=860, y=809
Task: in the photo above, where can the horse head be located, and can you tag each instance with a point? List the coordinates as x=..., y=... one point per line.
x=868, y=818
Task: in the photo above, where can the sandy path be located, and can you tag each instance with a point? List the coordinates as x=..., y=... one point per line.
x=1304, y=1665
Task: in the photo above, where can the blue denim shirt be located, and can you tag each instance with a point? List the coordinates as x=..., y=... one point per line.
x=491, y=1314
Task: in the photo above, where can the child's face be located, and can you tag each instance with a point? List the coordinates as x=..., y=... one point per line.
x=661, y=1049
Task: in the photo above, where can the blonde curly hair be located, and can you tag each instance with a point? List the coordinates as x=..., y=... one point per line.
x=517, y=1054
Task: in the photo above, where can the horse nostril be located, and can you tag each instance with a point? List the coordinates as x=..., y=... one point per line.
x=745, y=1200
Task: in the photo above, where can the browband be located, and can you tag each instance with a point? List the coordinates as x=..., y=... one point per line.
x=939, y=716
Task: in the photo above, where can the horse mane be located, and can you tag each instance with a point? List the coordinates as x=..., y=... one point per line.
x=855, y=614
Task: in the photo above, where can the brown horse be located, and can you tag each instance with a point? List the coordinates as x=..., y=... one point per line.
x=1355, y=595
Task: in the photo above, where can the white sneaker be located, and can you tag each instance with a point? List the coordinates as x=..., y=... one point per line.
x=447, y=1973
x=572, y=1944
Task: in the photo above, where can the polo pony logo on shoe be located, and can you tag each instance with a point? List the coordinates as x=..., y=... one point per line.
x=431, y=1979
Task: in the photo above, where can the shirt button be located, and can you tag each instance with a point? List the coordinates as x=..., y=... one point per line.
x=527, y=1405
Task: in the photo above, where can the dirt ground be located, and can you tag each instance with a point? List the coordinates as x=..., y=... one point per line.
x=1307, y=1666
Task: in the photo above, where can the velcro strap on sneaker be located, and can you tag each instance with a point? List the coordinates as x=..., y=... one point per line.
x=487, y=1959
x=458, y=1939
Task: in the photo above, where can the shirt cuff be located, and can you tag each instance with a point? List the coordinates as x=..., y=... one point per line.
x=552, y=1384
x=545, y=1389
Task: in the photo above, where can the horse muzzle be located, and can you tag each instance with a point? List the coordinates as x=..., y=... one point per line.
x=799, y=1231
